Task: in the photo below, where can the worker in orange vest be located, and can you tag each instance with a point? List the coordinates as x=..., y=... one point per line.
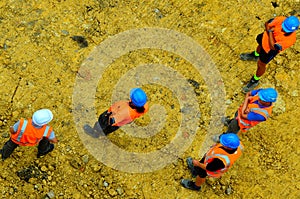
x=219, y=158
x=119, y=114
x=31, y=132
x=257, y=107
x=279, y=35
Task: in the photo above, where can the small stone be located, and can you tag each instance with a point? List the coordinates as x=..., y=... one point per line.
x=76, y=164
x=293, y=94
x=44, y=168
x=65, y=32
x=85, y=159
x=5, y=135
x=120, y=191
x=105, y=184
x=96, y=168
x=112, y=192
x=228, y=102
x=50, y=194
x=158, y=13
x=68, y=148
x=228, y=190
x=51, y=168
x=11, y=191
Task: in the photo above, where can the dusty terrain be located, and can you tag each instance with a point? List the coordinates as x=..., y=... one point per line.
x=40, y=62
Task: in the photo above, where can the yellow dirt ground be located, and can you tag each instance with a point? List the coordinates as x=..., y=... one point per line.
x=39, y=64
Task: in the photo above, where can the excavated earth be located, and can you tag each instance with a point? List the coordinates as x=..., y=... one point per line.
x=42, y=47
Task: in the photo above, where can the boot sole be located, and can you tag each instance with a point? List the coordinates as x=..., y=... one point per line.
x=247, y=89
x=247, y=57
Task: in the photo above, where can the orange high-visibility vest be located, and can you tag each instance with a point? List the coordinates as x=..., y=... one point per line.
x=245, y=124
x=228, y=159
x=124, y=114
x=280, y=37
x=28, y=135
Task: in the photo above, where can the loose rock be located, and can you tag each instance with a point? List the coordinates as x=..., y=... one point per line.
x=120, y=191
x=228, y=190
x=112, y=192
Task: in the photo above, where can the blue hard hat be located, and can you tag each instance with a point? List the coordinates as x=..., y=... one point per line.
x=42, y=117
x=268, y=95
x=230, y=140
x=290, y=24
x=138, y=97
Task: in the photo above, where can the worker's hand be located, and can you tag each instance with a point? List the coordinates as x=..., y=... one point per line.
x=247, y=110
x=11, y=129
x=111, y=121
x=53, y=140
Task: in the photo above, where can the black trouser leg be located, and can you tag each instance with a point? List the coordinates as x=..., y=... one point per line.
x=104, y=123
x=110, y=129
x=97, y=127
x=233, y=126
x=8, y=148
x=44, y=147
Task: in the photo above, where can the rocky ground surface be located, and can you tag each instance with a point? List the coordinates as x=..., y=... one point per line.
x=40, y=59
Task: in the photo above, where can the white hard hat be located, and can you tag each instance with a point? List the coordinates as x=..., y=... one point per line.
x=42, y=117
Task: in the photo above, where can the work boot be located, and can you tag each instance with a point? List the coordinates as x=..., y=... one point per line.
x=249, y=56
x=250, y=86
x=216, y=138
x=189, y=185
x=226, y=120
x=190, y=164
x=90, y=131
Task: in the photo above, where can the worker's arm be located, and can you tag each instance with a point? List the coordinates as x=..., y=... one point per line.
x=198, y=164
x=13, y=129
x=52, y=138
x=269, y=29
x=271, y=39
x=245, y=110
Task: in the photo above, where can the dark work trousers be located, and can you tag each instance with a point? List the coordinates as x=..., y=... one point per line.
x=8, y=148
x=233, y=126
x=44, y=147
x=104, y=124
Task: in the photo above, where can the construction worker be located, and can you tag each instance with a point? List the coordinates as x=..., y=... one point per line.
x=279, y=35
x=257, y=107
x=119, y=114
x=219, y=158
x=31, y=132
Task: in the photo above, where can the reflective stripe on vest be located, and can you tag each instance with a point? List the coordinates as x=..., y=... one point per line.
x=261, y=110
x=241, y=121
x=22, y=130
x=46, y=131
